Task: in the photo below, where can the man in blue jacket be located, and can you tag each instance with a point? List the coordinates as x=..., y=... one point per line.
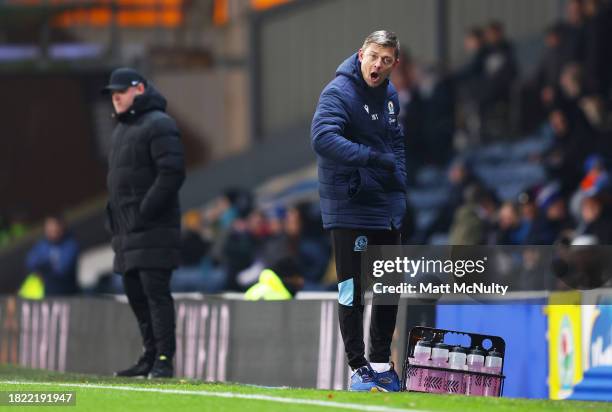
x=54, y=258
x=362, y=183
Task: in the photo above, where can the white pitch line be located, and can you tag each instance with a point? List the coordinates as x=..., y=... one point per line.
x=352, y=406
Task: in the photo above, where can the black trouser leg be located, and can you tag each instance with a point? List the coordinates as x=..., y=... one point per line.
x=381, y=332
x=350, y=307
x=384, y=316
x=140, y=306
x=348, y=245
x=156, y=285
x=351, y=328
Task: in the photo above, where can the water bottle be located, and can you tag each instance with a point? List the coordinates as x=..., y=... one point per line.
x=493, y=364
x=436, y=381
x=475, y=363
x=455, y=381
x=417, y=376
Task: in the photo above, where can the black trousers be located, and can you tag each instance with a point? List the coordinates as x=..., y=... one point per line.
x=348, y=245
x=148, y=292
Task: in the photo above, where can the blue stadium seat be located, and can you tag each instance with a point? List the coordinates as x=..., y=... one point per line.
x=596, y=385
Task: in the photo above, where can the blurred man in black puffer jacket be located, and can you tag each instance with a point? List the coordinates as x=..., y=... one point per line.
x=146, y=171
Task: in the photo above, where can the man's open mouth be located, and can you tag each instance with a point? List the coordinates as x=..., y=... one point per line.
x=374, y=76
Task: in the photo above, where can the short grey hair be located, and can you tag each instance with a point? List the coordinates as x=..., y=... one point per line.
x=383, y=38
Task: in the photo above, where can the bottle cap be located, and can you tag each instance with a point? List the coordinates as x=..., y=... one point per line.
x=441, y=345
x=425, y=343
x=477, y=351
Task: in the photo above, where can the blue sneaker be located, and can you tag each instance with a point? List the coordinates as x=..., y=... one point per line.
x=363, y=379
x=388, y=381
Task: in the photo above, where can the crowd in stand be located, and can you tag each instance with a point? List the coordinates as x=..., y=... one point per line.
x=232, y=241
x=567, y=102
x=466, y=123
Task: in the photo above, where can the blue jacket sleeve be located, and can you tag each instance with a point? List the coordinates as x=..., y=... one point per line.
x=328, y=128
x=399, y=146
x=37, y=257
x=67, y=259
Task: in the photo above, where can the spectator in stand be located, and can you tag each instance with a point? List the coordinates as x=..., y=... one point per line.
x=500, y=67
x=510, y=229
x=582, y=266
x=239, y=248
x=539, y=92
x=474, y=46
x=427, y=110
x=595, y=174
x=460, y=176
x=552, y=220
x=303, y=240
x=308, y=242
x=528, y=211
x=572, y=143
x=473, y=221
x=573, y=32
x=500, y=71
x=564, y=44
x=468, y=79
x=226, y=225
x=280, y=280
x=438, y=99
x=296, y=231
x=54, y=258
x=225, y=209
x=196, y=273
x=193, y=246
x=404, y=78
x=548, y=73
x=571, y=89
x=274, y=228
x=598, y=48
x=411, y=114
x=595, y=213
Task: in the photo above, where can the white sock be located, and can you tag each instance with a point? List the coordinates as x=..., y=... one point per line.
x=381, y=367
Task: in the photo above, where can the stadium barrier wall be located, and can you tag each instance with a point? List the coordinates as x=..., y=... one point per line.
x=295, y=343
x=298, y=343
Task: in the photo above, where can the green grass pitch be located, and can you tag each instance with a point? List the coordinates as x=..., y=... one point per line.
x=101, y=394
